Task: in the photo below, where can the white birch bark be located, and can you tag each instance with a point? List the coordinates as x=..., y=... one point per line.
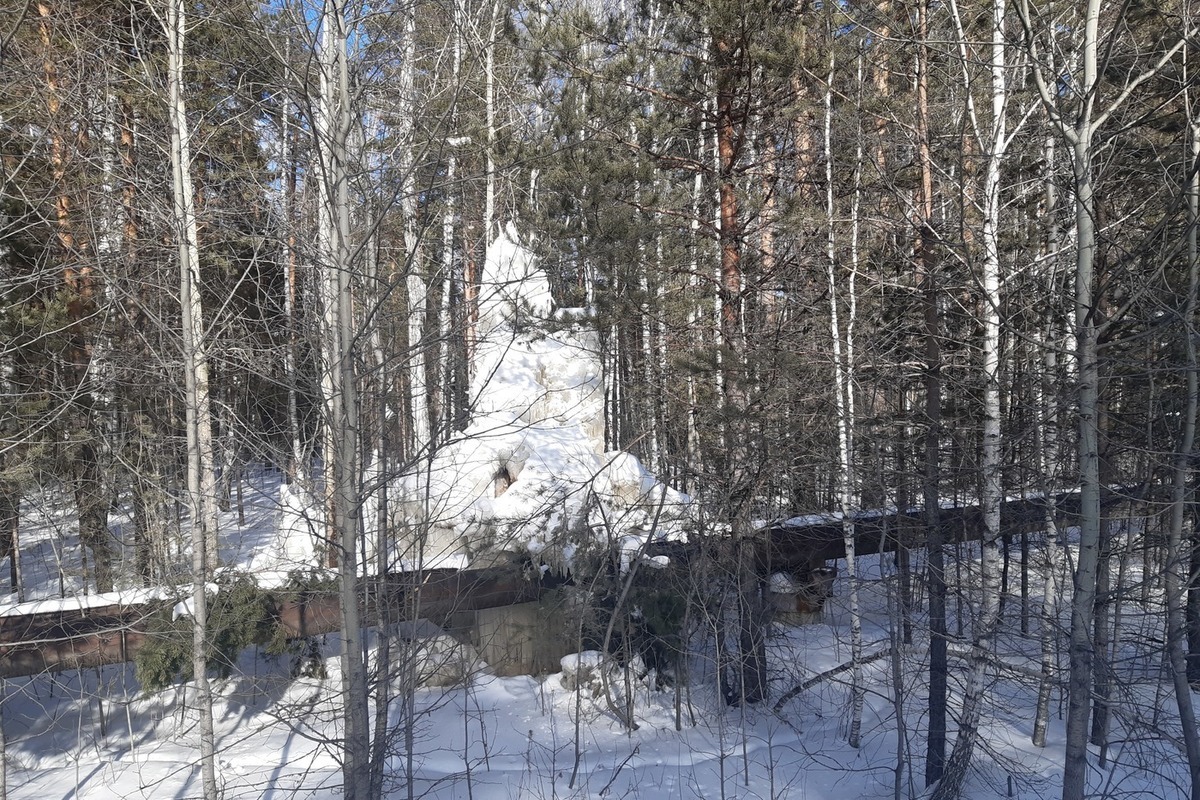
x=1178, y=560
x=718, y=331
x=648, y=355
x=419, y=438
x=1046, y=340
x=3, y=743
x=445, y=373
x=339, y=384
x=994, y=143
x=299, y=466
x=1083, y=601
x=449, y=220
x=648, y=363
x=201, y=478
x=694, y=316
x=419, y=393
x=842, y=390
x=1079, y=132
x=326, y=269
x=489, y=210
x=406, y=90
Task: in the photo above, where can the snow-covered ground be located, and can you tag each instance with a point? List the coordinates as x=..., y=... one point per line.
x=96, y=734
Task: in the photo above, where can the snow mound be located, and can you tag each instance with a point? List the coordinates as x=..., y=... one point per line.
x=296, y=533
x=540, y=377
x=585, y=672
x=511, y=284
x=530, y=473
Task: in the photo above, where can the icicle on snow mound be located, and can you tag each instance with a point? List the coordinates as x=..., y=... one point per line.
x=529, y=474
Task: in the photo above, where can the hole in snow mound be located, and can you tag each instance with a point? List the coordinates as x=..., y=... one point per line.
x=501, y=481
x=508, y=469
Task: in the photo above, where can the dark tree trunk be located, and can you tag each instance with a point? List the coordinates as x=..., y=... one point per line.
x=10, y=542
x=935, y=752
x=1193, y=613
x=92, y=501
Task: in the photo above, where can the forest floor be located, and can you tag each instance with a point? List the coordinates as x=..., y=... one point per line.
x=96, y=734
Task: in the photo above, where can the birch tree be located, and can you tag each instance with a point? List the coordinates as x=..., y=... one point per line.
x=420, y=436
x=299, y=467
x=843, y=393
x=1078, y=124
x=339, y=382
x=1178, y=563
x=201, y=479
x=1047, y=439
x=992, y=140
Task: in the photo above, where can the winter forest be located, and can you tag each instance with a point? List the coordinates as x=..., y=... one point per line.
x=808, y=390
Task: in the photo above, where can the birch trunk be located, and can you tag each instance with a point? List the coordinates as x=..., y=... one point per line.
x=10, y=534
x=489, y=211
x=1178, y=561
x=323, y=134
x=377, y=550
x=341, y=407
x=1080, y=132
x=297, y=468
x=1083, y=602
x=3, y=743
x=448, y=368
x=1193, y=245
x=841, y=393
x=419, y=395
x=649, y=381
x=995, y=144
x=694, y=449
x=420, y=437
x=201, y=479
x=1047, y=444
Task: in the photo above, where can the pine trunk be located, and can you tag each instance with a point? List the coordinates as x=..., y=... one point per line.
x=935, y=750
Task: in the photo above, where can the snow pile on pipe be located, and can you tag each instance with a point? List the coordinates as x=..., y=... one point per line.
x=512, y=285
x=301, y=523
x=529, y=473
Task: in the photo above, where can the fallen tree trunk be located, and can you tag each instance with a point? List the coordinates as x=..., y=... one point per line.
x=820, y=677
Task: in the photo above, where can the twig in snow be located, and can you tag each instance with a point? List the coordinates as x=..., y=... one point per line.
x=826, y=675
